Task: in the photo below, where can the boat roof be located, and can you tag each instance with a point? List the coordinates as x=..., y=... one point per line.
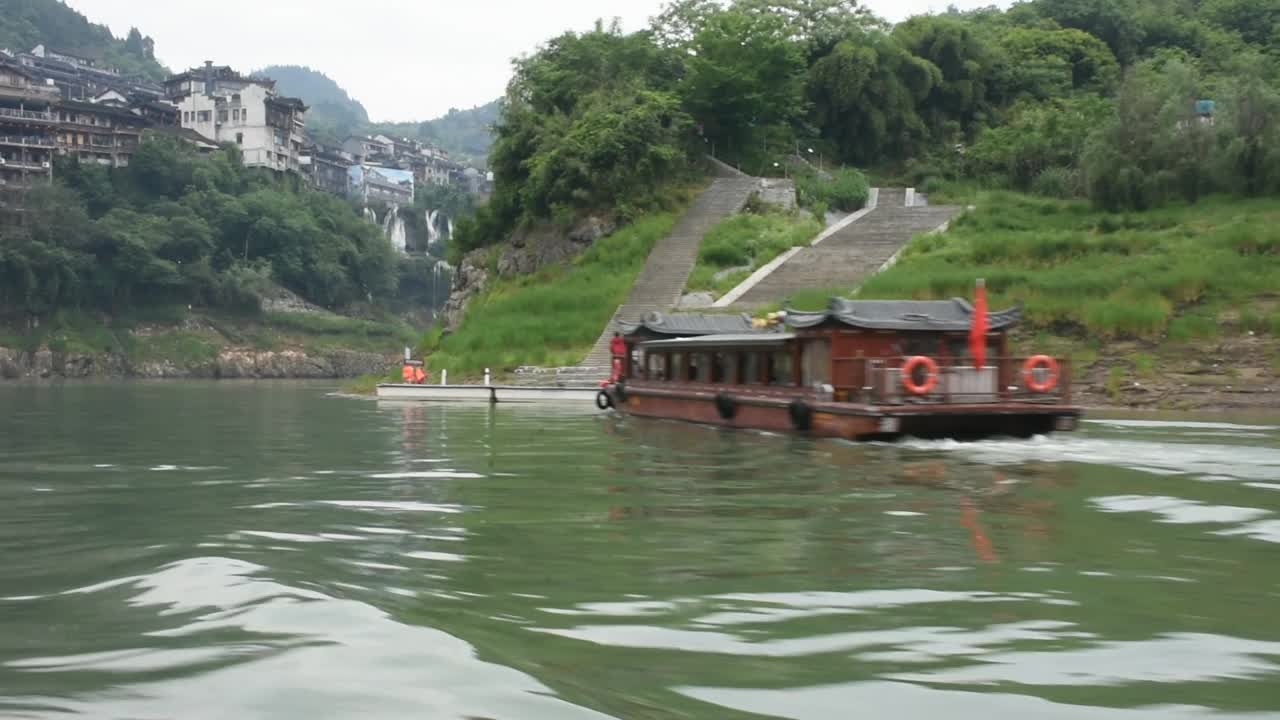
x=954, y=315
x=724, y=340
x=690, y=324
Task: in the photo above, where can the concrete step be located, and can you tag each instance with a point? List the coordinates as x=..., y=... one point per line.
x=849, y=257
x=575, y=376
x=662, y=280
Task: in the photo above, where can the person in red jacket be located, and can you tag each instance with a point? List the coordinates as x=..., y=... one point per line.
x=618, y=347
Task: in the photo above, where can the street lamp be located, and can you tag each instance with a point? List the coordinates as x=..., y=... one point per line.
x=819, y=159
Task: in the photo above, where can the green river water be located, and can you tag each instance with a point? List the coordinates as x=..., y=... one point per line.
x=265, y=550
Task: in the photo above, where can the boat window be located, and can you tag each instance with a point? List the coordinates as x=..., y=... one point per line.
x=816, y=363
x=656, y=365
x=676, y=372
x=691, y=372
x=958, y=350
x=918, y=343
x=750, y=369
x=780, y=371
x=699, y=367
x=719, y=367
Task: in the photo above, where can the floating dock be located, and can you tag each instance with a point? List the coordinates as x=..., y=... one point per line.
x=488, y=393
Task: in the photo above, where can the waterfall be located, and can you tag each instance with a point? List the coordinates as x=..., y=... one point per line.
x=449, y=225
x=433, y=232
x=394, y=228
x=371, y=216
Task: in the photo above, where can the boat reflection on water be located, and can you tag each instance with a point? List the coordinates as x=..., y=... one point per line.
x=993, y=505
x=639, y=565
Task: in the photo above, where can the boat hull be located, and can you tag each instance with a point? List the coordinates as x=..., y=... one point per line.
x=850, y=420
x=487, y=393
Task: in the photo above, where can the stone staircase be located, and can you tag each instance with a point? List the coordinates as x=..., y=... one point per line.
x=853, y=254
x=576, y=376
x=665, y=273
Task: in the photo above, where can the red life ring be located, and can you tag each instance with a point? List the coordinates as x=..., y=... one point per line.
x=1029, y=376
x=909, y=370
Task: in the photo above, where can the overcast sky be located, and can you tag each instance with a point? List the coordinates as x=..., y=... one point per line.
x=404, y=59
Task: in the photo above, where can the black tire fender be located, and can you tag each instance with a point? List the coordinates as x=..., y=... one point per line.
x=603, y=401
x=801, y=415
x=726, y=406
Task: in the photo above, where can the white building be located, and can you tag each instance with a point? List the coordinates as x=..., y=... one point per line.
x=226, y=107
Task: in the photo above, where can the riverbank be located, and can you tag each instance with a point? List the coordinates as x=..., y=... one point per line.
x=274, y=345
x=1175, y=308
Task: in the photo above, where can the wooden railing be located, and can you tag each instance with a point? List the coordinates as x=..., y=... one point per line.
x=27, y=140
x=1001, y=380
x=28, y=115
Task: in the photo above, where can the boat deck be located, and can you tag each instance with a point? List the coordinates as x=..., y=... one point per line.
x=487, y=393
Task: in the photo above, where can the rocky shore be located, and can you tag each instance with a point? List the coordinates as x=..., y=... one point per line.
x=529, y=250
x=231, y=364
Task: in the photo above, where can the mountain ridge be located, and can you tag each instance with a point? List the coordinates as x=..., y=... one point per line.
x=336, y=114
x=25, y=24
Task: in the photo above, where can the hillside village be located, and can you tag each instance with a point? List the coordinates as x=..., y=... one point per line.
x=58, y=104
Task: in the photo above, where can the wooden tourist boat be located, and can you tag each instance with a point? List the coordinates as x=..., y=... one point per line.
x=857, y=370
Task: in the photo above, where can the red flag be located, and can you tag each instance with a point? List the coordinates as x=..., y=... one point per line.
x=978, y=331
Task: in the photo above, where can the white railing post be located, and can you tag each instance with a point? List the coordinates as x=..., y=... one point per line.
x=444, y=377
x=486, y=377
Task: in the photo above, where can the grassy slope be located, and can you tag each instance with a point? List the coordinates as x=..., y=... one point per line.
x=552, y=317
x=1157, y=286
x=1165, y=272
x=748, y=241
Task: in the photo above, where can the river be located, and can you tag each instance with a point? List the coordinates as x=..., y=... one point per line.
x=193, y=551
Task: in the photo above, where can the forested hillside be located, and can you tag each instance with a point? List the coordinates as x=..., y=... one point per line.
x=27, y=23
x=176, y=228
x=1070, y=98
x=332, y=114
x=467, y=134
x=464, y=132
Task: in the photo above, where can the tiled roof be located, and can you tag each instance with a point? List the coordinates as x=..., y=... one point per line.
x=717, y=340
x=689, y=324
x=954, y=315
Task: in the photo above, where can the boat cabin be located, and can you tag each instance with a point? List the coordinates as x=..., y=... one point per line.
x=855, y=351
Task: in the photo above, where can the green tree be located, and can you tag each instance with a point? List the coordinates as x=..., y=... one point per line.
x=1154, y=147
x=1255, y=20
x=865, y=96
x=1249, y=136
x=958, y=98
x=744, y=74
x=1114, y=22
x=1053, y=63
x=1038, y=136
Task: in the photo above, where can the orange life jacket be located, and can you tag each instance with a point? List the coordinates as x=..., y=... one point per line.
x=419, y=376
x=406, y=373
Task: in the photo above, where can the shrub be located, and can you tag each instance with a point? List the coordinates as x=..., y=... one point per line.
x=819, y=210
x=1144, y=364
x=748, y=241
x=1057, y=182
x=847, y=190
x=1192, y=327
x=1115, y=382
x=724, y=251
